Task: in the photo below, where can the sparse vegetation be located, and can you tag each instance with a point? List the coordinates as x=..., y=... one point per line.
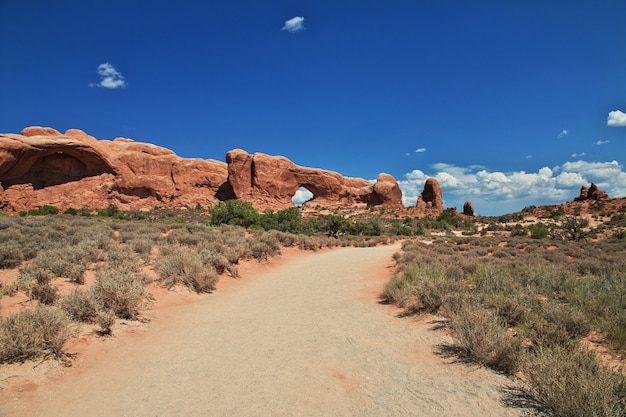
x=523, y=306
x=517, y=301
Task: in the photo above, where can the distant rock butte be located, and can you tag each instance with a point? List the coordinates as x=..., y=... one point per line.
x=43, y=166
x=591, y=193
x=430, y=201
x=468, y=209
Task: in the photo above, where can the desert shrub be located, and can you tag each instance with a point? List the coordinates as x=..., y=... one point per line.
x=264, y=245
x=123, y=258
x=513, y=310
x=312, y=243
x=567, y=318
x=105, y=319
x=422, y=288
x=518, y=230
x=142, y=247
x=10, y=255
x=286, y=239
x=44, y=293
x=216, y=260
x=483, y=337
x=571, y=383
x=69, y=262
x=33, y=273
x=33, y=333
x=181, y=265
x=111, y=211
x=399, y=289
x=80, y=305
x=119, y=289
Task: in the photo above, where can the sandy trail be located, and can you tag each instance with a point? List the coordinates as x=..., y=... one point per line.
x=304, y=338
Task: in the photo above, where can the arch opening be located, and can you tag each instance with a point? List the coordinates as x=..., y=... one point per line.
x=302, y=196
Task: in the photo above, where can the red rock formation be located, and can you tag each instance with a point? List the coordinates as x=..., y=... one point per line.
x=430, y=201
x=468, y=209
x=591, y=193
x=43, y=166
x=270, y=182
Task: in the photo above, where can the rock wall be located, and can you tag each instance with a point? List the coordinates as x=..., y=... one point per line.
x=43, y=166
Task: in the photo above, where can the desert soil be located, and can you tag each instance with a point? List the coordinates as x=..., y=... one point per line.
x=304, y=337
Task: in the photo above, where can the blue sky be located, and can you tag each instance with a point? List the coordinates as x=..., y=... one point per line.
x=507, y=104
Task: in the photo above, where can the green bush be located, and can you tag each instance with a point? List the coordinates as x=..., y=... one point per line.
x=235, y=213
x=538, y=231
x=46, y=209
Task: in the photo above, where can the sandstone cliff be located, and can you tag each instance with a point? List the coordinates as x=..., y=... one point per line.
x=43, y=166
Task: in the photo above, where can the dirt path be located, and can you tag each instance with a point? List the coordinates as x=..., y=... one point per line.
x=306, y=338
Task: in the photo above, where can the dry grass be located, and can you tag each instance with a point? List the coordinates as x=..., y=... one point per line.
x=570, y=382
x=482, y=336
x=518, y=305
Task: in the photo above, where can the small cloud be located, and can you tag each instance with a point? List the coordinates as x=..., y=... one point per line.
x=562, y=134
x=529, y=156
x=577, y=155
x=601, y=142
x=295, y=24
x=420, y=150
x=616, y=118
x=109, y=77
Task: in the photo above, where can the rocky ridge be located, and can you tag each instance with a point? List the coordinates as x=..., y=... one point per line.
x=43, y=166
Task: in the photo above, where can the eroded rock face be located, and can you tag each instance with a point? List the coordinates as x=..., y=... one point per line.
x=43, y=166
x=468, y=209
x=270, y=182
x=591, y=193
x=431, y=199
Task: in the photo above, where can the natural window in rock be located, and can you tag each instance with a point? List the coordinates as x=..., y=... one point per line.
x=302, y=196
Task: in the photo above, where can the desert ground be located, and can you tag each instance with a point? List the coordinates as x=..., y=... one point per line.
x=301, y=335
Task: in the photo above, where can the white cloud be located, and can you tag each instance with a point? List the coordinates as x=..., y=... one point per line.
x=495, y=192
x=601, y=142
x=420, y=150
x=578, y=155
x=563, y=134
x=570, y=179
x=109, y=77
x=301, y=196
x=295, y=24
x=616, y=118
